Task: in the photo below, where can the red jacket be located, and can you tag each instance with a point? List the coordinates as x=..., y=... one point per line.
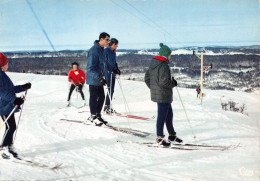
x=77, y=76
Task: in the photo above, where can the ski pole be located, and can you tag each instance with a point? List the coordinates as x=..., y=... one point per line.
x=6, y=131
x=111, y=89
x=126, y=105
x=19, y=117
x=105, y=98
x=109, y=93
x=7, y=125
x=110, y=99
x=118, y=128
x=186, y=114
x=5, y=121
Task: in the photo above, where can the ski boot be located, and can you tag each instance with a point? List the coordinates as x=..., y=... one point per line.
x=162, y=142
x=105, y=108
x=84, y=103
x=68, y=103
x=174, y=138
x=112, y=111
x=101, y=119
x=5, y=154
x=109, y=110
x=8, y=152
x=92, y=118
x=13, y=152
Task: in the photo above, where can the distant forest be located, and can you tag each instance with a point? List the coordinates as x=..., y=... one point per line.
x=240, y=69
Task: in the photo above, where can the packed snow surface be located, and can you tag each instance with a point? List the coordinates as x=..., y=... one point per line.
x=97, y=153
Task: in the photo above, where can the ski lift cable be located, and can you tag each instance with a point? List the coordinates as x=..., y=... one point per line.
x=155, y=24
x=149, y=19
x=41, y=26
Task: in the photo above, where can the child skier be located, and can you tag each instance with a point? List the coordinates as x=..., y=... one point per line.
x=158, y=79
x=77, y=78
x=8, y=101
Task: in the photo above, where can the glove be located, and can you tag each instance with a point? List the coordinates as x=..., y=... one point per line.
x=174, y=82
x=18, y=101
x=26, y=86
x=102, y=80
x=117, y=71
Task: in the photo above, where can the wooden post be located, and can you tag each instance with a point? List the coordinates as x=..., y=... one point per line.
x=201, y=78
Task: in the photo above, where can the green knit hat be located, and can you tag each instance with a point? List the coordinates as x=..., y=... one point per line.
x=164, y=50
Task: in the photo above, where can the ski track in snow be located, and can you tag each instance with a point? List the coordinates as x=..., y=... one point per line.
x=94, y=153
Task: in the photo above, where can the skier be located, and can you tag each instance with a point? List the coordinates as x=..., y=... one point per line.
x=8, y=101
x=158, y=79
x=198, y=91
x=95, y=77
x=111, y=69
x=77, y=78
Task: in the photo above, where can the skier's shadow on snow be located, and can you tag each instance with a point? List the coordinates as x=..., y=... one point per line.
x=65, y=146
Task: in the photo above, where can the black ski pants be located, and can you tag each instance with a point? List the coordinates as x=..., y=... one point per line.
x=96, y=99
x=72, y=87
x=10, y=127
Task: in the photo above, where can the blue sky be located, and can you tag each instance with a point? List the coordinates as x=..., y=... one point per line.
x=75, y=24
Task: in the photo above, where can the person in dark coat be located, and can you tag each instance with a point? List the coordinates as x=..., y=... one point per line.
x=95, y=77
x=198, y=91
x=8, y=102
x=158, y=79
x=111, y=69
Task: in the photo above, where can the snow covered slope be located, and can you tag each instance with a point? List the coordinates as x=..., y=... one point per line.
x=96, y=153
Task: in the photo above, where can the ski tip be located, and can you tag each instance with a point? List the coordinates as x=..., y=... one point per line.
x=56, y=167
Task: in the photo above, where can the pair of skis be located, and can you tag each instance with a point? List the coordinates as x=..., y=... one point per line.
x=33, y=163
x=188, y=146
x=176, y=146
x=126, y=116
x=134, y=132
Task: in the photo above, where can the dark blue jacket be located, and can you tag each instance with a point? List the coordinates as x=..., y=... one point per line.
x=7, y=94
x=95, y=64
x=110, y=63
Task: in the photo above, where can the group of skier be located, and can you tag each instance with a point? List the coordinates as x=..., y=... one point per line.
x=101, y=70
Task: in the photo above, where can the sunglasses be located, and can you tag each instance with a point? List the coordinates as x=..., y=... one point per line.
x=108, y=40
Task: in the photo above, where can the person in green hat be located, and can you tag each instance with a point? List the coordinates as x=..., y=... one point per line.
x=160, y=82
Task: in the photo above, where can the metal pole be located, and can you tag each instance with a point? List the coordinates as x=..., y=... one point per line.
x=126, y=105
x=9, y=115
x=186, y=115
x=201, y=79
x=19, y=117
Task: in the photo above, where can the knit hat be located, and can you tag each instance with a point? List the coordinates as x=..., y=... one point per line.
x=3, y=60
x=164, y=50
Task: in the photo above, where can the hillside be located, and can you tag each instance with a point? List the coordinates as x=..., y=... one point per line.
x=233, y=68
